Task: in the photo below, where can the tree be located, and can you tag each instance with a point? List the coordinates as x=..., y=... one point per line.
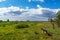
x=1, y=21
x=7, y=20
x=58, y=18
x=52, y=22
x=28, y=20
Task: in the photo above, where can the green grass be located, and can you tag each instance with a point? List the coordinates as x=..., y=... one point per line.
x=28, y=31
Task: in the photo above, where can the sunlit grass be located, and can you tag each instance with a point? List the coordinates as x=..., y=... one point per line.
x=9, y=31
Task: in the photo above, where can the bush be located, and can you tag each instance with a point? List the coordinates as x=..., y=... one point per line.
x=22, y=26
x=1, y=21
x=7, y=20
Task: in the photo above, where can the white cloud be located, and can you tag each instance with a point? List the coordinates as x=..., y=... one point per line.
x=27, y=7
x=2, y=0
x=29, y=0
x=25, y=14
x=41, y=0
x=38, y=6
x=36, y=0
x=39, y=11
x=9, y=9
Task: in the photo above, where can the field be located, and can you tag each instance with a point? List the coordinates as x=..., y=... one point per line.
x=28, y=31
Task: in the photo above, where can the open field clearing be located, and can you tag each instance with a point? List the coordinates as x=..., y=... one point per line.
x=28, y=31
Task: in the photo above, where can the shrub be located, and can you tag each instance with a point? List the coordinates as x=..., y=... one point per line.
x=22, y=26
x=4, y=25
x=7, y=20
x=1, y=21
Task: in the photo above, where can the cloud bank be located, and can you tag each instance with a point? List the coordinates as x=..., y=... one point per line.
x=16, y=13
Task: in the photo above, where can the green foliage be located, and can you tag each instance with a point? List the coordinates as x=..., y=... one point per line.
x=28, y=31
x=7, y=20
x=19, y=26
x=58, y=18
x=1, y=21
x=35, y=37
x=58, y=15
x=51, y=20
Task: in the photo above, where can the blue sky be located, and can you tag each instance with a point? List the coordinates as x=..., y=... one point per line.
x=32, y=4
x=36, y=10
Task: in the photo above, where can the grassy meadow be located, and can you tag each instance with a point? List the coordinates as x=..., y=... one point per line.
x=28, y=31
